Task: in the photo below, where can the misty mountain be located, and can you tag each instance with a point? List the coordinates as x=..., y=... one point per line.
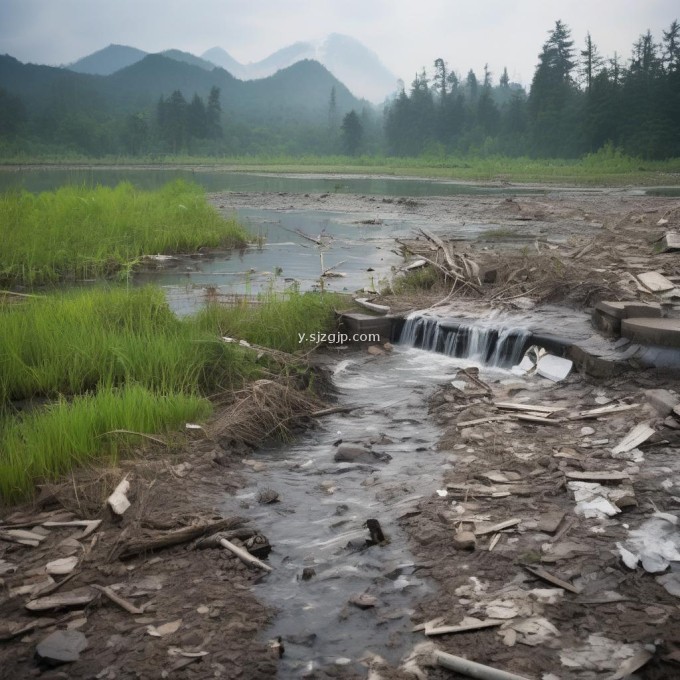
x=346, y=58
x=188, y=58
x=223, y=59
x=299, y=93
x=108, y=60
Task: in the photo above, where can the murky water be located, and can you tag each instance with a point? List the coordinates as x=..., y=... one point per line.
x=216, y=179
x=324, y=506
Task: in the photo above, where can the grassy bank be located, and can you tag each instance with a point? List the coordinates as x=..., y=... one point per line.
x=120, y=360
x=76, y=233
x=607, y=167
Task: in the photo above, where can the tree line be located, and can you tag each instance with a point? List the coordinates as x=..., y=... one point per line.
x=579, y=102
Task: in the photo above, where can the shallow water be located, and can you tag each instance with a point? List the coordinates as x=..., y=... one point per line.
x=365, y=255
x=311, y=526
x=44, y=179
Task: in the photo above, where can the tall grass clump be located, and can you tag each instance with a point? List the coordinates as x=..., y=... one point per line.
x=73, y=342
x=76, y=233
x=115, y=359
x=277, y=321
x=50, y=442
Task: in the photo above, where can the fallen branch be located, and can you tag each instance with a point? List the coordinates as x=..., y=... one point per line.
x=464, y=628
x=333, y=409
x=124, y=604
x=168, y=539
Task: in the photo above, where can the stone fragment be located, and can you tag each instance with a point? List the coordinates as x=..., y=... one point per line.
x=62, y=646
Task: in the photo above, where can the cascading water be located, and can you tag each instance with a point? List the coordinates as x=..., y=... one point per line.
x=491, y=346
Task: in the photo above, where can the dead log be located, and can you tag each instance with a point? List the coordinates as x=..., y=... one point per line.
x=145, y=544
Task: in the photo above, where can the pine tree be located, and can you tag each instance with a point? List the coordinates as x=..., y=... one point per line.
x=591, y=62
x=213, y=114
x=352, y=133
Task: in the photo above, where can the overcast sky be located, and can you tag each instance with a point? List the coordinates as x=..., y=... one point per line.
x=406, y=34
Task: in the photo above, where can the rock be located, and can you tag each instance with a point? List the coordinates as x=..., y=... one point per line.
x=62, y=646
x=346, y=453
x=587, y=431
x=662, y=400
x=308, y=573
x=364, y=601
x=464, y=540
x=375, y=351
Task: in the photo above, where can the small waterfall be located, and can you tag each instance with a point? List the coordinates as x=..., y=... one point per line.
x=497, y=346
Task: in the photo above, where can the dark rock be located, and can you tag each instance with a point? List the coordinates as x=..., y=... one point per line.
x=62, y=646
x=308, y=573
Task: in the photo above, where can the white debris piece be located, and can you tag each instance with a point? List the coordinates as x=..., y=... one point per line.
x=595, y=500
x=656, y=543
x=554, y=368
x=598, y=654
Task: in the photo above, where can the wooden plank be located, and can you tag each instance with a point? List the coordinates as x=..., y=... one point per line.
x=541, y=573
x=655, y=282
x=599, y=476
x=535, y=408
x=537, y=420
x=497, y=527
x=479, y=421
x=603, y=411
x=446, y=630
x=637, y=435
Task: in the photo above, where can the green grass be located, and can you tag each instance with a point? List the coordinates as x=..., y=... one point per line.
x=277, y=322
x=111, y=359
x=50, y=442
x=77, y=233
x=417, y=280
x=608, y=166
x=69, y=343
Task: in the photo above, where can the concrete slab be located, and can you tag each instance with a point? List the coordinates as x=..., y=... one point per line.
x=607, y=315
x=660, y=332
x=356, y=322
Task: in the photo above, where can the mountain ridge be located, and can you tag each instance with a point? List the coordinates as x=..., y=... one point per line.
x=349, y=60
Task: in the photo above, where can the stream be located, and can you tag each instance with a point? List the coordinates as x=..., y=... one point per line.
x=319, y=522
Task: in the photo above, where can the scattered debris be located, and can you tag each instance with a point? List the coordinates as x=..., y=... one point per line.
x=118, y=500
x=638, y=435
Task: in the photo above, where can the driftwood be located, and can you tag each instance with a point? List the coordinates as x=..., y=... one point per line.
x=603, y=411
x=547, y=576
x=138, y=546
x=533, y=408
x=464, y=628
x=537, y=420
x=124, y=604
x=241, y=553
x=473, y=669
x=333, y=409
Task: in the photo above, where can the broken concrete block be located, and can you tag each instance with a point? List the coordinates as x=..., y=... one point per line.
x=663, y=401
